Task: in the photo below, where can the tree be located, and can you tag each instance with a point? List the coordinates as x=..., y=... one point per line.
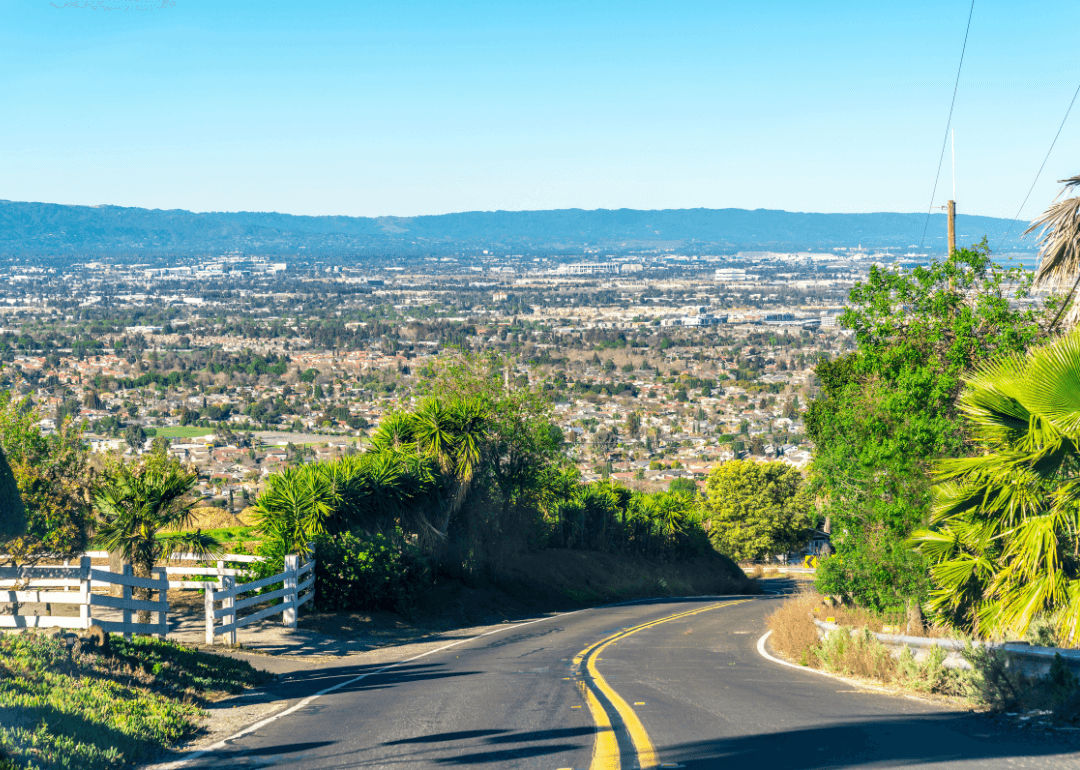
x=887, y=411
x=1005, y=540
x=53, y=477
x=683, y=486
x=135, y=437
x=135, y=503
x=755, y=510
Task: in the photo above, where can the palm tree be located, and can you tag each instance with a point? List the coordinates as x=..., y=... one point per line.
x=1004, y=545
x=396, y=431
x=454, y=437
x=135, y=504
x=1059, y=250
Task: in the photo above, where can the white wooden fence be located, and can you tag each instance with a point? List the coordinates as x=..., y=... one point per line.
x=76, y=583
x=72, y=585
x=184, y=577
x=298, y=588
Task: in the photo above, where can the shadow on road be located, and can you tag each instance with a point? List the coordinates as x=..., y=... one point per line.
x=494, y=746
x=462, y=747
x=888, y=741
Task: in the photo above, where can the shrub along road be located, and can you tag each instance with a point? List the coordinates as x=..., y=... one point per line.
x=673, y=683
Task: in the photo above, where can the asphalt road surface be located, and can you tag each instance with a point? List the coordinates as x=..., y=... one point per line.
x=664, y=684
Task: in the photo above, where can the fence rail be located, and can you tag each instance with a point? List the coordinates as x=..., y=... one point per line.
x=225, y=620
x=84, y=577
x=34, y=594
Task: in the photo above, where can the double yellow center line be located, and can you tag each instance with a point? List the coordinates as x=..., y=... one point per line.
x=606, y=752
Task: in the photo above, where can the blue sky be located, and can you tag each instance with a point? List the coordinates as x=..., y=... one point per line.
x=407, y=107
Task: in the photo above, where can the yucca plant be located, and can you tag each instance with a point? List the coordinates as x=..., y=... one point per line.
x=1004, y=541
x=297, y=505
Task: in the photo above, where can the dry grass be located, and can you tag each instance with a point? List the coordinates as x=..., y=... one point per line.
x=853, y=650
x=794, y=634
x=206, y=517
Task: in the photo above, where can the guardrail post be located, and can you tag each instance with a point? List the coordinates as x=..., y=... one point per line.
x=163, y=601
x=228, y=603
x=292, y=564
x=125, y=594
x=85, y=616
x=208, y=606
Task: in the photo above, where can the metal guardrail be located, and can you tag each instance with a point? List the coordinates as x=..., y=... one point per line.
x=1028, y=658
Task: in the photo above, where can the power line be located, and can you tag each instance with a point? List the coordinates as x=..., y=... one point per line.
x=1038, y=173
x=948, y=124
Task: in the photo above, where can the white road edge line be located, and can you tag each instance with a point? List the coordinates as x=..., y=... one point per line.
x=765, y=654
x=860, y=684
x=181, y=761
x=326, y=691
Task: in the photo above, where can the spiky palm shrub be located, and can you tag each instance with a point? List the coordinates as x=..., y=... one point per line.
x=1004, y=541
x=298, y=504
x=134, y=505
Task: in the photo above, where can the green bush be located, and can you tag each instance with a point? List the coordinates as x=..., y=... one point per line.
x=358, y=571
x=64, y=708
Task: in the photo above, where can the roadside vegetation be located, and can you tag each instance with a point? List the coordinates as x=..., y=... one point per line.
x=852, y=650
x=80, y=707
x=947, y=451
x=464, y=486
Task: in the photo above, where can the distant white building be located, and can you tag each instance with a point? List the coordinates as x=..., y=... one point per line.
x=587, y=268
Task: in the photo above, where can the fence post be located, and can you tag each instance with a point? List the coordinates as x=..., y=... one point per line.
x=292, y=564
x=228, y=603
x=220, y=573
x=85, y=613
x=125, y=594
x=163, y=601
x=208, y=605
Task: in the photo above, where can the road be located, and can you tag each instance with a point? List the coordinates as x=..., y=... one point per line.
x=666, y=684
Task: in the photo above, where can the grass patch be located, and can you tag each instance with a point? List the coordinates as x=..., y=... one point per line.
x=234, y=534
x=68, y=708
x=180, y=431
x=231, y=535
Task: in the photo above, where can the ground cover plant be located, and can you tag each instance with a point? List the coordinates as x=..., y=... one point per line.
x=67, y=706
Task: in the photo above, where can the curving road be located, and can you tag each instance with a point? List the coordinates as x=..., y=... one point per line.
x=663, y=684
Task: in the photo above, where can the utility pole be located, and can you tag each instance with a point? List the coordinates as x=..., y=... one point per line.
x=952, y=203
x=951, y=209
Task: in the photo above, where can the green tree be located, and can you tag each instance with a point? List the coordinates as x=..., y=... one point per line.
x=1005, y=539
x=683, y=486
x=135, y=437
x=54, y=479
x=296, y=506
x=755, y=510
x=135, y=503
x=887, y=411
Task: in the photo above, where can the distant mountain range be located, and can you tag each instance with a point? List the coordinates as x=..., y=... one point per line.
x=115, y=232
